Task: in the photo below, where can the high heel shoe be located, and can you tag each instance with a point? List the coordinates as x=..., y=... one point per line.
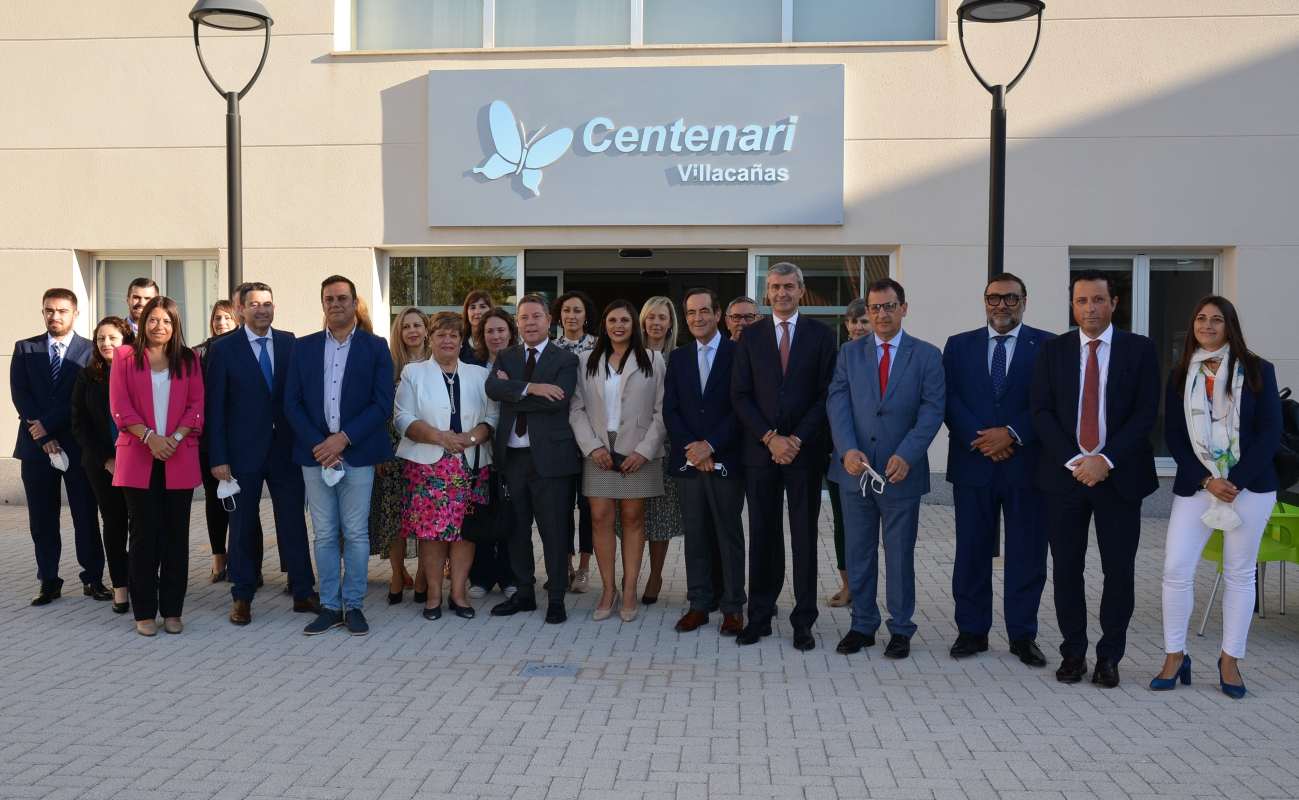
x=420, y=597
x=395, y=598
x=463, y=612
x=648, y=599
x=1233, y=690
x=628, y=615
x=432, y=613
x=121, y=608
x=1183, y=674
x=601, y=614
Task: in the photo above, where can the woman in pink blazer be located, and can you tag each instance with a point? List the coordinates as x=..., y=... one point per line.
x=155, y=392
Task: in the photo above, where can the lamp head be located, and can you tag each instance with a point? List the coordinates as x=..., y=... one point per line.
x=231, y=15
x=999, y=10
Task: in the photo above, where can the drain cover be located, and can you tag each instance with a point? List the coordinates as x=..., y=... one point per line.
x=537, y=669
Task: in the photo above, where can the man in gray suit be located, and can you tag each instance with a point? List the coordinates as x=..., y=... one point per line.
x=533, y=383
x=885, y=405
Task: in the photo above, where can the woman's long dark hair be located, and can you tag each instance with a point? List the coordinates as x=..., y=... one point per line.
x=97, y=369
x=604, y=345
x=180, y=359
x=588, y=309
x=1235, y=338
x=480, y=343
x=466, y=331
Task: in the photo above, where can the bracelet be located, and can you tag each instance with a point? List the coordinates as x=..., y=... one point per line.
x=1204, y=484
x=145, y=438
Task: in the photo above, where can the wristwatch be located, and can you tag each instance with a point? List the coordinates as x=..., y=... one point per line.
x=472, y=440
x=178, y=436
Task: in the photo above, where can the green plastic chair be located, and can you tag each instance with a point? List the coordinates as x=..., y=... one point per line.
x=1280, y=543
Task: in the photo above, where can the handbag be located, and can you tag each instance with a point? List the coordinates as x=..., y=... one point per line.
x=491, y=522
x=1286, y=460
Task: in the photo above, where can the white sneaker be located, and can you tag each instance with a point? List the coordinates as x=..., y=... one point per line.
x=477, y=593
x=581, y=582
x=509, y=591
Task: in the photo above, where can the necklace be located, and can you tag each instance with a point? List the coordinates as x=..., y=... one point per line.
x=451, y=379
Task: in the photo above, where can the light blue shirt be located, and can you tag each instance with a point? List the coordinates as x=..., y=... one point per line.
x=709, y=351
x=1010, y=345
x=270, y=345
x=335, y=368
x=893, y=349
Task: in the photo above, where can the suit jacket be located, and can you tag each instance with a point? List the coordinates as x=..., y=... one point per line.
x=130, y=396
x=422, y=395
x=972, y=407
x=640, y=420
x=1131, y=406
x=904, y=421
x=364, y=407
x=1260, y=436
x=691, y=415
x=554, y=450
x=793, y=403
x=92, y=421
x=39, y=400
x=246, y=423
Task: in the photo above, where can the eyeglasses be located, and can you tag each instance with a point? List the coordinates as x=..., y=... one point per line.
x=1008, y=300
x=741, y=317
x=876, y=308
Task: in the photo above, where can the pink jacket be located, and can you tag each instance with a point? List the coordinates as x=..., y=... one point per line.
x=130, y=398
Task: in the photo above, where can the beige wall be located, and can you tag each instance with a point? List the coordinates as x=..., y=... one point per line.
x=1142, y=123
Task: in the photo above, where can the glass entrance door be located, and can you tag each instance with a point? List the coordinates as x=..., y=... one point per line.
x=637, y=286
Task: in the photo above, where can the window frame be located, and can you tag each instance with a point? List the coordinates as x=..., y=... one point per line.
x=751, y=278
x=444, y=252
x=344, y=38
x=158, y=271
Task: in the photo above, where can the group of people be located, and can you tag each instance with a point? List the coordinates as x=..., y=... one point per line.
x=611, y=436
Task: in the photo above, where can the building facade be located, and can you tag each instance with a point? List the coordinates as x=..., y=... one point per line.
x=688, y=142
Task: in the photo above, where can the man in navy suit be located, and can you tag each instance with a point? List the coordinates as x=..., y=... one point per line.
x=783, y=366
x=705, y=460
x=885, y=406
x=1094, y=400
x=251, y=443
x=992, y=465
x=41, y=375
x=338, y=400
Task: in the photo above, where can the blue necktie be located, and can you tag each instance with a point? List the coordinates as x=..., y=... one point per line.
x=56, y=363
x=999, y=367
x=264, y=361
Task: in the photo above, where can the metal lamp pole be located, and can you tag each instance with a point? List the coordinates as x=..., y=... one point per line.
x=998, y=11
x=233, y=15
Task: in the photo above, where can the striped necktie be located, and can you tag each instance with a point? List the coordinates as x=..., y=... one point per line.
x=56, y=362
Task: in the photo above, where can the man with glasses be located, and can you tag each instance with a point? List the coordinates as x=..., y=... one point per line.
x=992, y=465
x=740, y=314
x=885, y=407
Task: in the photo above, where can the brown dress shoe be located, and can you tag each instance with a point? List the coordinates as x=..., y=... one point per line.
x=307, y=605
x=732, y=624
x=692, y=620
x=241, y=613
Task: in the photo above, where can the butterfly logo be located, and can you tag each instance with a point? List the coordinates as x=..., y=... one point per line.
x=516, y=153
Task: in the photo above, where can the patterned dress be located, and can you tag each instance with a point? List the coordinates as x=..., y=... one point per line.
x=583, y=345
x=386, y=503
x=663, y=513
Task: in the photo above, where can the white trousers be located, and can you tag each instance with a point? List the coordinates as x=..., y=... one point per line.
x=1187, y=536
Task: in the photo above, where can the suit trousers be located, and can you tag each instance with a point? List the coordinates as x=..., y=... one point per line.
x=112, y=509
x=979, y=509
x=1118, y=532
x=863, y=519
x=288, y=499
x=41, y=486
x=710, y=509
x=836, y=510
x=549, y=501
x=491, y=566
x=767, y=487
x=159, y=550
x=218, y=519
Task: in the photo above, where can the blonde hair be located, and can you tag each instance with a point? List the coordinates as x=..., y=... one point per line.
x=398, y=348
x=659, y=301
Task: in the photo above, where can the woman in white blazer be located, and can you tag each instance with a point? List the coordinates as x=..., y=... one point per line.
x=446, y=422
x=617, y=419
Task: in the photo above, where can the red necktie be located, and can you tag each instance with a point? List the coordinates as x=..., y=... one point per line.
x=1089, y=425
x=884, y=369
x=784, y=347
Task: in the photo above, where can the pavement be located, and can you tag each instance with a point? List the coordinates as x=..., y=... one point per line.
x=89, y=709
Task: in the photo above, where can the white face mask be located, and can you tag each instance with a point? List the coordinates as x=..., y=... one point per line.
x=331, y=475
x=226, y=490
x=59, y=461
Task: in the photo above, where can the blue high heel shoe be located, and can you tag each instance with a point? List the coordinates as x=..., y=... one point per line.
x=1183, y=674
x=1232, y=690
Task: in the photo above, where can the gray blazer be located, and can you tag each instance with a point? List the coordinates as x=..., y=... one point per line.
x=640, y=423
x=904, y=421
x=554, y=451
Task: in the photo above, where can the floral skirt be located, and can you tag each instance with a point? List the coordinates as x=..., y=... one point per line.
x=438, y=497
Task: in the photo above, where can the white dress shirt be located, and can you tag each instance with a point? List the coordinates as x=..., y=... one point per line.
x=612, y=399
x=270, y=345
x=793, y=325
x=1103, y=363
x=526, y=440
x=893, y=349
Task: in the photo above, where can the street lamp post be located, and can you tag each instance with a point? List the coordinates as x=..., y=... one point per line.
x=233, y=15
x=998, y=11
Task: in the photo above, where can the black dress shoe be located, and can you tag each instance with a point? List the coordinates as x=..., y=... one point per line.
x=121, y=608
x=899, y=646
x=969, y=644
x=513, y=605
x=803, y=639
x=48, y=594
x=853, y=642
x=555, y=613
x=752, y=633
x=96, y=590
x=463, y=612
x=1071, y=670
x=1028, y=652
x=1106, y=674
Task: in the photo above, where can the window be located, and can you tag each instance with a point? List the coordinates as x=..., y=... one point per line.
x=417, y=24
x=831, y=282
x=712, y=21
x=863, y=20
x=1156, y=296
x=551, y=23
x=192, y=282
x=440, y=283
